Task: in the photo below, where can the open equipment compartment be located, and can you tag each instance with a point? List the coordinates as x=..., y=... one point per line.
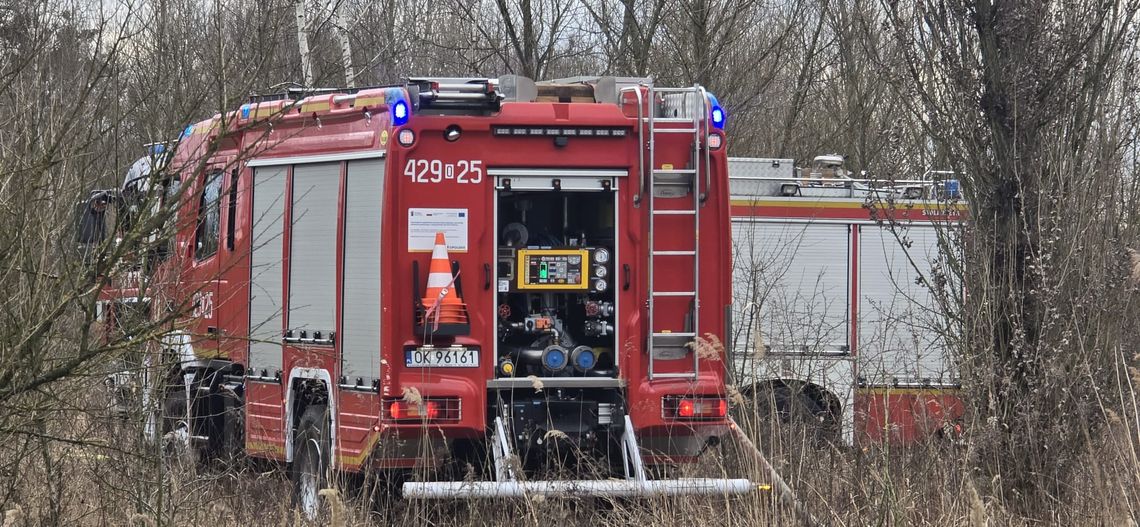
x=555, y=302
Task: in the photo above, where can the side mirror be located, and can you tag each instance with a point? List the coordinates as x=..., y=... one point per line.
x=91, y=218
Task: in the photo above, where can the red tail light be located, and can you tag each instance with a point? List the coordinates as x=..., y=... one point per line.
x=715, y=141
x=434, y=409
x=684, y=407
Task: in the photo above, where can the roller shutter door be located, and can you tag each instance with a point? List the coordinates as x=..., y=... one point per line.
x=360, y=335
x=898, y=319
x=312, y=262
x=266, y=315
x=793, y=280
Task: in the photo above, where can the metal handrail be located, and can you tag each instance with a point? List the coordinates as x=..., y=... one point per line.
x=785, y=179
x=640, y=144
x=652, y=111
x=704, y=132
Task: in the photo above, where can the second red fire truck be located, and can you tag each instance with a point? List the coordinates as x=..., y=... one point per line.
x=839, y=285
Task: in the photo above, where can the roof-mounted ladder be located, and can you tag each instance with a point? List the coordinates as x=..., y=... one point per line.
x=677, y=106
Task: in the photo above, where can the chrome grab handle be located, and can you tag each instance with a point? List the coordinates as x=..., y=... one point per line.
x=640, y=144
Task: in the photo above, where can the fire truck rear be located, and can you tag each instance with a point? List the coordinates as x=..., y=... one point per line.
x=526, y=278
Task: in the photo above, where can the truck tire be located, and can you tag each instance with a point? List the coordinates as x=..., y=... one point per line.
x=174, y=425
x=310, y=469
x=782, y=409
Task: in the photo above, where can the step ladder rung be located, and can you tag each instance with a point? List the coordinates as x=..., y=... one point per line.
x=672, y=212
x=675, y=334
x=664, y=171
x=674, y=253
x=657, y=120
x=676, y=130
x=682, y=89
x=674, y=293
x=671, y=375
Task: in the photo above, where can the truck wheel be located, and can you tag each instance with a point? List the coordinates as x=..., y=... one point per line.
x=781, y=409
x=311, y=462
x=175, y=425
x=233, y=435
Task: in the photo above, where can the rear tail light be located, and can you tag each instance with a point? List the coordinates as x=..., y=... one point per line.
x=715, y=141
x=695, y=408
x=431, y=409
x=406, y=137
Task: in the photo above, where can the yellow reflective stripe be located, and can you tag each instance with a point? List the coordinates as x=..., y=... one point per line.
x=369, y=101
x=908, y=391
x=322, y=106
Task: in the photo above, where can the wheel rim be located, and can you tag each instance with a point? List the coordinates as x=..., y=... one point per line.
x=309, y=483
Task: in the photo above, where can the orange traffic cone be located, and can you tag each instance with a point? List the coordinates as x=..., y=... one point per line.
x=443, y=304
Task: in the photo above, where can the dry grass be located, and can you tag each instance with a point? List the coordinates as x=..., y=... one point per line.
x=929, y=484
x=86, y=468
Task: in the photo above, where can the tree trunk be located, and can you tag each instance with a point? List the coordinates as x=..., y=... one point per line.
x=303, y=42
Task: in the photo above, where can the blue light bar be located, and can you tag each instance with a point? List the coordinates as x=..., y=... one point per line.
x=717, y=114
x=245, y=111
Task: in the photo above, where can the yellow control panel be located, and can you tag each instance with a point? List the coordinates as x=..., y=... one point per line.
x=553, y=269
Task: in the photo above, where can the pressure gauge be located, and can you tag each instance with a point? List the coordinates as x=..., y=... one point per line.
x=601, y=255
x=601, y=271
x=600, y=285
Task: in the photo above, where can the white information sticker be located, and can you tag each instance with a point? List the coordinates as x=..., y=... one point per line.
x=423, y=224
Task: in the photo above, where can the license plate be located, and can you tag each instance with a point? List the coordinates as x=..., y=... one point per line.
x=442, y=358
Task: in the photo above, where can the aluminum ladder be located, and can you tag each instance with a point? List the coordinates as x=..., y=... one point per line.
x=687, y=106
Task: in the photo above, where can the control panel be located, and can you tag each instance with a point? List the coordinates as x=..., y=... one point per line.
x=553, y=269
x=562, y=269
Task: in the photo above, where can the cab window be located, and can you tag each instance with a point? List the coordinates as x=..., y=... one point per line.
x=209, y=217
x=165, y=244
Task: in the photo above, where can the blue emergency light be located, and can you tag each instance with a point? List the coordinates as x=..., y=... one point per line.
x=400, y=113
x=717, y=114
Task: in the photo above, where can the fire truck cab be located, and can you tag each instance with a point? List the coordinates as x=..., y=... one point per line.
x=493, y=272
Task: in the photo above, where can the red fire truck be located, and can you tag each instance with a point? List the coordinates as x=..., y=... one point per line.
x=487, y=272
x=836, y=284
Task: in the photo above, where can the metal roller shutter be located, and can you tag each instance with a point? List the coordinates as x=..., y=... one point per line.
x=360, y=334
x=898, y=319
x=312, y=262
x=266, y=317
x=797, y=276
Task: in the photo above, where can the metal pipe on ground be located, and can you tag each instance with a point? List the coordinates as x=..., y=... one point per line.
x=576, y=488
x=782, y=489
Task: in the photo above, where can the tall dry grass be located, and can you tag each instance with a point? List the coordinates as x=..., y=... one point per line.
x=91, y=468
x=923, y=485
